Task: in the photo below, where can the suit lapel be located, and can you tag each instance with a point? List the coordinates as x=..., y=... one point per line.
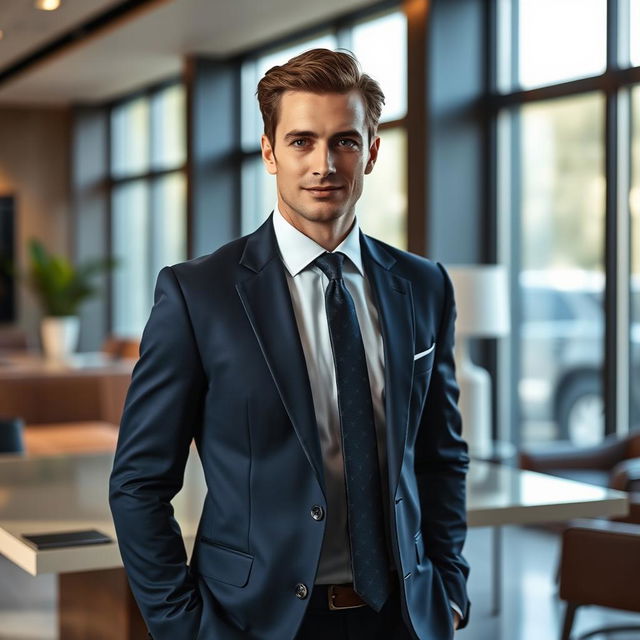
x=394, y=301
x=267, y=303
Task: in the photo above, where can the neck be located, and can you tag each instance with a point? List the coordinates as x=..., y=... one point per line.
x=328, y=234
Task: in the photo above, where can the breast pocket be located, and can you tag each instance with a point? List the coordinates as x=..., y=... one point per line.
x=423, y=360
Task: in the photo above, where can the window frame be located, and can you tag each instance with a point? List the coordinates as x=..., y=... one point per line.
x=614, y=84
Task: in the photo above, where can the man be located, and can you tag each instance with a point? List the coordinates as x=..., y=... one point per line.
x=313, y=367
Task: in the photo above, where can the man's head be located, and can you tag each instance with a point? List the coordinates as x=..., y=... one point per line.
x=320, y=116
x=318, y=71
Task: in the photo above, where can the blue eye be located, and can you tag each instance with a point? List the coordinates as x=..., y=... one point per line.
x=348, y=142
x=298, y=142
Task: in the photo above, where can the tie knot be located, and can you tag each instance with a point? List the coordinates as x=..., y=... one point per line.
x=331, y=264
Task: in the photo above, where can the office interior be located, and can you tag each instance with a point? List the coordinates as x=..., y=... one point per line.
x=510, y=140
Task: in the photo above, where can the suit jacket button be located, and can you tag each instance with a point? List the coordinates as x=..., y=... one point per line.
x=317, y=512
x=301, y=591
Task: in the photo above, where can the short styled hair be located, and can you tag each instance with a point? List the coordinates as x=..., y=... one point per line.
x=318, y=71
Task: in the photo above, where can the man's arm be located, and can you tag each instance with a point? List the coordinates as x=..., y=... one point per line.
x=441, y=463
x=162, y=412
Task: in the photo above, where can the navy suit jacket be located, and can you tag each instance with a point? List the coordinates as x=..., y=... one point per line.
x=221, y=363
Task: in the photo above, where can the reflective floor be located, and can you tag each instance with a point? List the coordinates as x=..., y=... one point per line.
x=530, y=609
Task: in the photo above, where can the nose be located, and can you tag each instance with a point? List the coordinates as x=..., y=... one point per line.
x=323, y=162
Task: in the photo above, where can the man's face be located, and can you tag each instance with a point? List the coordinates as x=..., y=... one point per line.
x=320, y=156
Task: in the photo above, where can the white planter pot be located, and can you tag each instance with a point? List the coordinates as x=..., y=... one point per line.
x=59, y=336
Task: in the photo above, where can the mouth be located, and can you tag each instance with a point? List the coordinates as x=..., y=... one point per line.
x=322, y=192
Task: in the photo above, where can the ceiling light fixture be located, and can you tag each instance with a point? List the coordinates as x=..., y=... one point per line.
x=47, y=5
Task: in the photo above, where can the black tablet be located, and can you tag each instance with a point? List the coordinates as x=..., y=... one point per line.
x=66, y=538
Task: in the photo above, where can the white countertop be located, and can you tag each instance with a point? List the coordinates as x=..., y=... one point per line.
x=62, y=493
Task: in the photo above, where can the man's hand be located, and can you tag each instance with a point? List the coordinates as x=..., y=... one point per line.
x=456, y=619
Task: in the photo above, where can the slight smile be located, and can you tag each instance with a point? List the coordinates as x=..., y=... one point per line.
x=322, y=192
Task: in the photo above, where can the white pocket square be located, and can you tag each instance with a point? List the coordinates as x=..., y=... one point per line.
x=425, y=353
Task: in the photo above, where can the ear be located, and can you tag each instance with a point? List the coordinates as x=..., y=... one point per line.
x=373, y=154
x=268, y=156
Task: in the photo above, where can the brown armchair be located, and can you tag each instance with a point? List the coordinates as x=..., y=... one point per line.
x=600, y=558
x=600, y=565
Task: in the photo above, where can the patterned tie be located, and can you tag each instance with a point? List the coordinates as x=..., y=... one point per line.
x=369, y=559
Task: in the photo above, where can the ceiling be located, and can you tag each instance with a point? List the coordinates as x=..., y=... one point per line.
x=25, y=28
x=142, y=48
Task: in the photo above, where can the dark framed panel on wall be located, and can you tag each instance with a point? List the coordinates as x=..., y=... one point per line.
x=7, y=259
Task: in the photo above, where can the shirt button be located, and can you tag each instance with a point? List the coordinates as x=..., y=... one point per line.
x=317, y=512
x=301, y=591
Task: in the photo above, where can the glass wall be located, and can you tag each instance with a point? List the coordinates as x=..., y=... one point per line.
x=552, y=188
x=560, y=40
x=562, y=269
x=634, y=32
x=148, y=201
x=634, y=206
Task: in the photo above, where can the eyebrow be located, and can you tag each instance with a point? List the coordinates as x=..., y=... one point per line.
x=352, y=133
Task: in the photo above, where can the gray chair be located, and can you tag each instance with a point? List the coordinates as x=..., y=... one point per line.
x=11, y=435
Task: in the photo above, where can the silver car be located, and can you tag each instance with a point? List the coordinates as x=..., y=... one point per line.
x=562, y=354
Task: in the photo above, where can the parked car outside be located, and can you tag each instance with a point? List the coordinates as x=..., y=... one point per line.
x=562, y=353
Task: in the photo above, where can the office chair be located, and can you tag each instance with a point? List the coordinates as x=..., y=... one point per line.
x=600, y=558
x=600, y=565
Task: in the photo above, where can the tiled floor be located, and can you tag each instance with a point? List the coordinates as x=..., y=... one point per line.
x=530, y=609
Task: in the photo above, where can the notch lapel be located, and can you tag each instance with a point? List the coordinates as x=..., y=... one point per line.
x=267, y=303
x=394, y=301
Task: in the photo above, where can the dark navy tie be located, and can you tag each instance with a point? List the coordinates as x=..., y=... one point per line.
x=369, y=559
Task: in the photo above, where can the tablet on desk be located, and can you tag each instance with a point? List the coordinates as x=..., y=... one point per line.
x=66, y=539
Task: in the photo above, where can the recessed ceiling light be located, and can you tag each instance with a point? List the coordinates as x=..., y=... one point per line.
x=47, y=5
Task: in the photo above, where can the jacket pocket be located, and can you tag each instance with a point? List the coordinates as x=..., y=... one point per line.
x=424, y=363
x=222, y=563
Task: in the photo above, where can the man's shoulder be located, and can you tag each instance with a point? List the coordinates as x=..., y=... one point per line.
x=410, y=265
x=216, y=264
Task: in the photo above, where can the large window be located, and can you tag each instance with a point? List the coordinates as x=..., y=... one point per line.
x=382, y=211
x=148, y=199
x=563, y=110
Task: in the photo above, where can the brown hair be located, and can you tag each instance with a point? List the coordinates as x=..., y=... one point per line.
x=318, y=71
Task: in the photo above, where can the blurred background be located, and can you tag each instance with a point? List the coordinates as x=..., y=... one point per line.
x=129, y=140
x=131, y=130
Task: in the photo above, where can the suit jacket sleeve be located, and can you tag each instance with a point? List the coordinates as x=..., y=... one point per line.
x=441, y=464
x=162, y=413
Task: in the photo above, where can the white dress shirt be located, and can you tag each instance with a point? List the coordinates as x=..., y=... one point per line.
x=307, y=284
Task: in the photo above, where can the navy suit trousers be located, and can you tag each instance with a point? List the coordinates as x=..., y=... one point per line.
x=362, y=623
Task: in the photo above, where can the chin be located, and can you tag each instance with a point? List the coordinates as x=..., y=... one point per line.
x=323, y=212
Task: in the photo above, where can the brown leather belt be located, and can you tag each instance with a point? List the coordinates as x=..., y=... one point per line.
x=337, y=597
x=343, y=596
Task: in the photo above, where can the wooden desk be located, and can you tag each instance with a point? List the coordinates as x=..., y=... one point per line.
x=62, y=493
x=27, y=364
x=70, y=438
x=85, y=387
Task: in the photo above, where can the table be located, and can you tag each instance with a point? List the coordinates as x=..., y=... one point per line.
x=70, y=438
x=19, y=364
x=71, y=492
x=84, y=387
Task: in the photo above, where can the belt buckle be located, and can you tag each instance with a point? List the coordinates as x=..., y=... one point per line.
x=333, y=607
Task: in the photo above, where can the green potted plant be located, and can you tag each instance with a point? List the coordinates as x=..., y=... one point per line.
x=61, y=288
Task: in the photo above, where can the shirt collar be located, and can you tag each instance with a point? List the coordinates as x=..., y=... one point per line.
x=298, y=250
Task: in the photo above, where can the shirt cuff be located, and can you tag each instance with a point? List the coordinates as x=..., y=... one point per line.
x=456, y=608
